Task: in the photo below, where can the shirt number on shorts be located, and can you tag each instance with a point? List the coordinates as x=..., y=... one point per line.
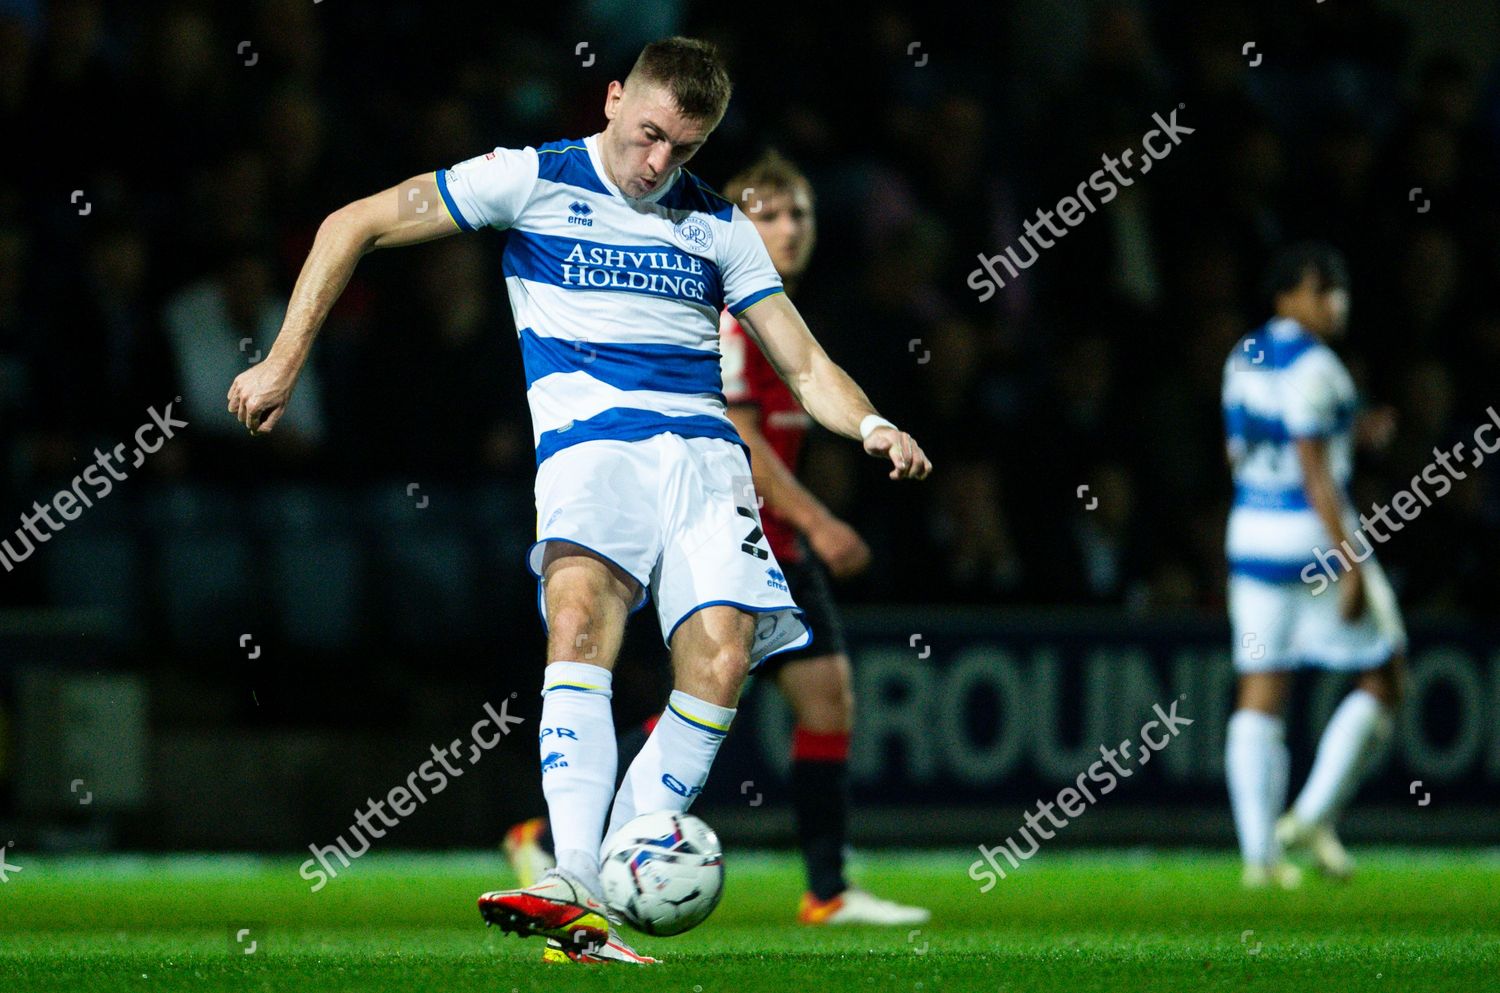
x=751, y=544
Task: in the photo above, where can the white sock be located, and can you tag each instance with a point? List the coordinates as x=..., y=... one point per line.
x=578, y=756
x=1256, y=763
x=673, y=765
x=1357, y=729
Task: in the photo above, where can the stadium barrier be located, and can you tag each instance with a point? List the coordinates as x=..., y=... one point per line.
x=966, y=718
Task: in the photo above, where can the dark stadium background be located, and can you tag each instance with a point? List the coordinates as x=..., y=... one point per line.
x=249, y=637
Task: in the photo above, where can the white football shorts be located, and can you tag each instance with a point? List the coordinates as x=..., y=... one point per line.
x=678, y=514
x=1279, y=626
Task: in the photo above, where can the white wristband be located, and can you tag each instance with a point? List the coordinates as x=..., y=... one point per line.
x=871, y=422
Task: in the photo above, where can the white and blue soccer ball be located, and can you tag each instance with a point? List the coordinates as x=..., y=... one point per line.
x=663, y=873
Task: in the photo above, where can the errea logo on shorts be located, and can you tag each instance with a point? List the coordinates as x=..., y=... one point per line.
x=777, y=580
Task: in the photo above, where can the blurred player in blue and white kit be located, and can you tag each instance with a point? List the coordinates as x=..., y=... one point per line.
x=1289, y=410
x=617, y=263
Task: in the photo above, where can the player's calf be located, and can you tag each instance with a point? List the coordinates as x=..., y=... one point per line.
x=1256, y=764
x=711, y=653
x=711, y=660
x=673, y=766
x=820, y=693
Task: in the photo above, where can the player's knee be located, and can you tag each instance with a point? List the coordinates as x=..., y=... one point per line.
x=576, y=631
x=724, y=670
x=716, y=672
x=1265, y=692
x=838, y=709
x=820, y=692
x=846, y=707
x=1386, y=684
x=827, y=715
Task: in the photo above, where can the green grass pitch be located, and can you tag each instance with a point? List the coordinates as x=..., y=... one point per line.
x=1066, y=923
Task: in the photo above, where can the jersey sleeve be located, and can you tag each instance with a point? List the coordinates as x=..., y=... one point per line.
x=1310, y=400
x=734, y=360
x=489, y=190
x=749, y=275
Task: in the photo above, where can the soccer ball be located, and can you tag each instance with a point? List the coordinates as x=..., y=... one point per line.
x=663, y=873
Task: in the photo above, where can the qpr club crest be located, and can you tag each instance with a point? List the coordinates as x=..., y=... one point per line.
x=694, y=233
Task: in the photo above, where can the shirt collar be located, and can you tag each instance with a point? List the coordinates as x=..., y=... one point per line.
x=592, y=144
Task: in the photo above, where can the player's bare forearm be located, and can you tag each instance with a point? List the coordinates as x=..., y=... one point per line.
x=823, y=388
x=402, y=215
x=832, y=397
x=1324, y=496
x=325, y=273
x=825, y=391
x=774, y=479
x=408, y=214
x=1322, y=493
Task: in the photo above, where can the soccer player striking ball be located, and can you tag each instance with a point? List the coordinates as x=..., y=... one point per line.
x=617, y=263
x=1289, y=410
x=816, y=680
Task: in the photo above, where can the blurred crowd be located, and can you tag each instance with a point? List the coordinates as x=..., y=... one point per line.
x=170, y=164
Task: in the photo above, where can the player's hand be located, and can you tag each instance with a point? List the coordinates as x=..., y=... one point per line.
x=258, y=396
x=1352, y=596
x=1374, y=428
x=905, y=454
x=839, y=547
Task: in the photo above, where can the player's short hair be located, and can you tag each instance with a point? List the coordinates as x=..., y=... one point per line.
x=768, y=175
x=692, y=70
x=1290, y=266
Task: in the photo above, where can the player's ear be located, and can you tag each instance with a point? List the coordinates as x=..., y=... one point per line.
x=612, y=97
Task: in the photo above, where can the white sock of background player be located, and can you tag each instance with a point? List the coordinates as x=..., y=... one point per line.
x=1357, y=730
x=1256, y=763
x=579, y=761
x=672, y=767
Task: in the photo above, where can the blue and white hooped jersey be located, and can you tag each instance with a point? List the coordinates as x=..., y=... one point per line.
x=616, y=301
x=1282, y=384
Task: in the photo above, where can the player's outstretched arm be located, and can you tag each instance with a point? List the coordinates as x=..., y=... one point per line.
x=824, y=389
x=407, y=214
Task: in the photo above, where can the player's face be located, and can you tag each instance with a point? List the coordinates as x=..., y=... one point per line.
x=787, y=226
x=1323, y=310
x=1335, y=304
x=647, y=137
